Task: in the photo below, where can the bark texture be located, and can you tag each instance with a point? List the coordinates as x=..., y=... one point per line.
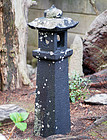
x=13, y=43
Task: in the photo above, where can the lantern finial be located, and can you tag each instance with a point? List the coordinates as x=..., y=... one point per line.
x=53, y=12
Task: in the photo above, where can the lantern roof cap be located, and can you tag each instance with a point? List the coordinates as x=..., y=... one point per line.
x=52, y=20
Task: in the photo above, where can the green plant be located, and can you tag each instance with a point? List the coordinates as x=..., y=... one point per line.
x=78, y=87
x=105, y=123
x=0, y=124
x=18, y=119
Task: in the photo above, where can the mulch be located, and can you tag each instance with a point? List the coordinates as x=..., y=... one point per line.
x=82, y=115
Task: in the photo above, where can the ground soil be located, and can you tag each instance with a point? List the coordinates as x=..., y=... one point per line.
x=81, y=115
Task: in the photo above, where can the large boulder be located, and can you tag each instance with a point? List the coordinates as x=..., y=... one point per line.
x=95, y=45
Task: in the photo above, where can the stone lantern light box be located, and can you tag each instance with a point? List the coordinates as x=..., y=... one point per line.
x=52, y=108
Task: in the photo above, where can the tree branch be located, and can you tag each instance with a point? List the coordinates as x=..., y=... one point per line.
x=92, y=2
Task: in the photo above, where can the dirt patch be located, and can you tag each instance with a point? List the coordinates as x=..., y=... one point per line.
x=82, y=115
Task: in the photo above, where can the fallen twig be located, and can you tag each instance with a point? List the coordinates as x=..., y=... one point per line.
x=93, y=118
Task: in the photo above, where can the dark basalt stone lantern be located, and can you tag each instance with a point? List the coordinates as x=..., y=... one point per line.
x=52, y=108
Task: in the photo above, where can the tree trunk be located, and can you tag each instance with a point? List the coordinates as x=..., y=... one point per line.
x=13, y=43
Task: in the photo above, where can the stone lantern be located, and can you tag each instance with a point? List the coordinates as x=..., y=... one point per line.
x=52, y=108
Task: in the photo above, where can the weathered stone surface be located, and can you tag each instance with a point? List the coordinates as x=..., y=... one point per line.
x=99, y=79
x=6, y=109
x=2, y=137
x=97, y=99
x=76, y=60
x=95, y=45
x=54, y=21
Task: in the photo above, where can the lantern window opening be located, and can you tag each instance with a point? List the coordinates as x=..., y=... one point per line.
x=60, y=40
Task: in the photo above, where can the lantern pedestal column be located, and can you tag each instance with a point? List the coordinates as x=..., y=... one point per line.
x=52, y=109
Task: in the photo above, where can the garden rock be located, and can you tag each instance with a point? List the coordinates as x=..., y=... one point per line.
x=99, y=79
x=76, y=60
x=6, y=109
x=95, y=45
x=2, y=137
x=97, y=99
